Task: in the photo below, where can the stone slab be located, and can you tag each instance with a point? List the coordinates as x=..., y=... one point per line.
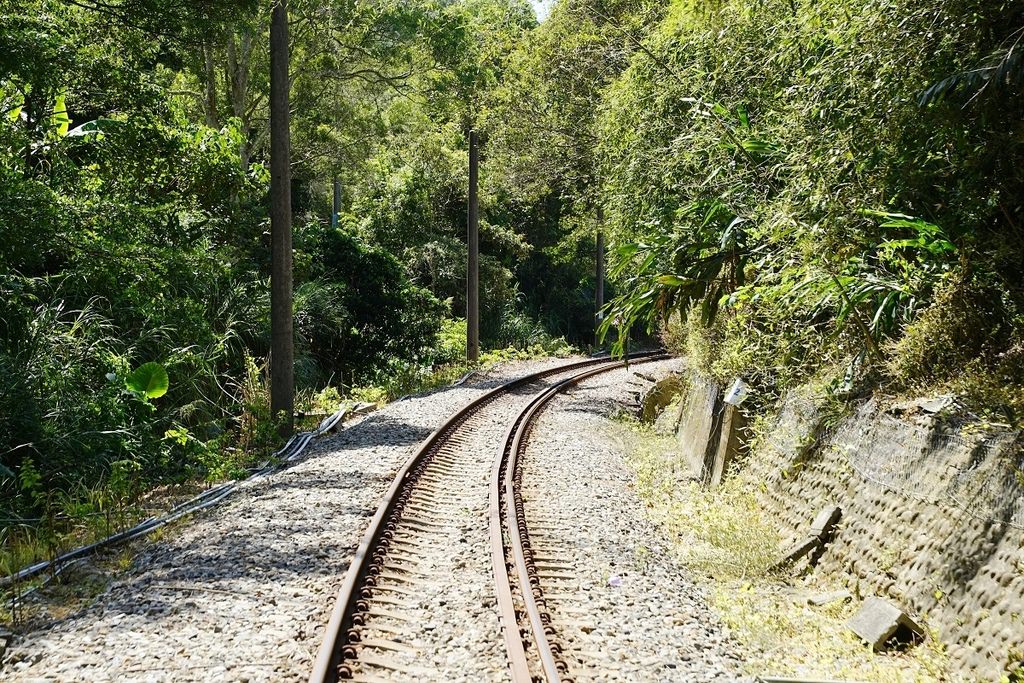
x=697, y=433
x=878, y=621
x=731, y=442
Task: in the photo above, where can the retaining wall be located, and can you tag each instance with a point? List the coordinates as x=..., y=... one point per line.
x=931, y=520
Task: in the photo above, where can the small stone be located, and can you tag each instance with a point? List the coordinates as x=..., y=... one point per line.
x=5, y=639
x=828, y=598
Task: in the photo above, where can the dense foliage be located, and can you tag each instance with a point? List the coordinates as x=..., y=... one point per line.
x=792, y=187
x=134, y=218
x=826, y=186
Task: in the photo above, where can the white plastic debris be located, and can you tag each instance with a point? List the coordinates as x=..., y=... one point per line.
x=737, y=393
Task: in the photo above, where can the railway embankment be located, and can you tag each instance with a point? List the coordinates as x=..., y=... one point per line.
x=930, y=507
x=244, y=591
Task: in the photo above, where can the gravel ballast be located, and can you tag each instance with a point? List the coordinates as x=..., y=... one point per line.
x=621, y=608
x=242, y=592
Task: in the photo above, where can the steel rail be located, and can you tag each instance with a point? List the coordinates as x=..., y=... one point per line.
x=511, y=551
x=355, y=590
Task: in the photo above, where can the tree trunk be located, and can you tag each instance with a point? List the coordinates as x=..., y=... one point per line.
x=281, y=342
x=473, y=266
x=599, y=277
x=238, y=65
x=210, y=103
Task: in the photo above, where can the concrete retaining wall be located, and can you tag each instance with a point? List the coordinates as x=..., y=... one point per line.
x=931, y=520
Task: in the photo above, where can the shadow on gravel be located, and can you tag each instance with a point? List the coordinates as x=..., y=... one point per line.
x=589, y=405
x=376, y=430
x=203, y=577
x=319, y=481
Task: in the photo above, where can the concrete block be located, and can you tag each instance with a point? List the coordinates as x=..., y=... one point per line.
x=698, y=428
x=731, y=442
x=796, y=552
x=814, y=543
x=880, y=624
x=825, y=522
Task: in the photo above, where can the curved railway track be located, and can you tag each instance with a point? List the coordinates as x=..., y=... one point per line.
x=380, y=602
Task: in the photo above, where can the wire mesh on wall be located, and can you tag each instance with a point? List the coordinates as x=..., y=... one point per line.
x=983, y=477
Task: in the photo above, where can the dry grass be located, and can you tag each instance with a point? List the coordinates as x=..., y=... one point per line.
x=728, y=542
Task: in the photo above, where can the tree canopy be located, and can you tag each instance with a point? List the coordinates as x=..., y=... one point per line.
x=793, y=188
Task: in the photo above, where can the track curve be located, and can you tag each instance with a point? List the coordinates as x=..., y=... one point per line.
x=384, y=567
x=533, y=649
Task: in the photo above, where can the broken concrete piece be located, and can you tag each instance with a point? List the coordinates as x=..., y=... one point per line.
x=828, y=598
x=794, y=554
x=731, y=443
x=880, y=623
x=822, y=528
x=825, y=522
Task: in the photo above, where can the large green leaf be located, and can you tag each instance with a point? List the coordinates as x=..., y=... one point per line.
x=95, y=127
x=149, y=379
x=60, y=116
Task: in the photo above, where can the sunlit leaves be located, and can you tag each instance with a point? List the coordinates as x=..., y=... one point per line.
x=60, y=119
x=149, y=380
x=743, y=148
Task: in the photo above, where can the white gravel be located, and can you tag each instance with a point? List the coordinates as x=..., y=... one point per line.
x=242, y=592
x=621, y=608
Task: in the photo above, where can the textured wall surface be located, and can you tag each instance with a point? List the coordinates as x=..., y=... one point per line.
x=931, y=520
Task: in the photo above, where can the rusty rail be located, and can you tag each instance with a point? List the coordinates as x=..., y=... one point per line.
x=512, y=554
x=341, y=637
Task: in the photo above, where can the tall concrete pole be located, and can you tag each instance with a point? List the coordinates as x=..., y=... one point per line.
x=473, y=270
x=282, y=381
x=337, y=203
x=599, y=276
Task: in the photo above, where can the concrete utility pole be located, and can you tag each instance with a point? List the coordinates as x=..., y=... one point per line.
x=473, y=270
x=282, y=381
x=599, y=291
x=337, y=203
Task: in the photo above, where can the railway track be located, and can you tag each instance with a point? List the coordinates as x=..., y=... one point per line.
x=402, y=571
